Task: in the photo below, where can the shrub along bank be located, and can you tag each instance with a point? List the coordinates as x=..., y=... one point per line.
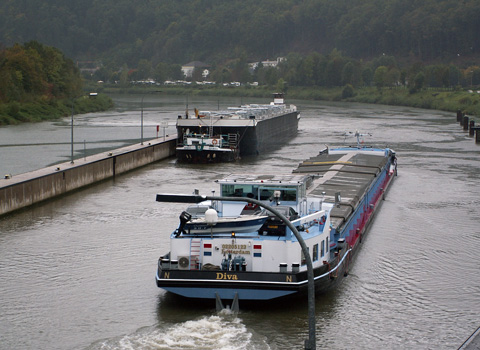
x=441, y=99
x=48, y=109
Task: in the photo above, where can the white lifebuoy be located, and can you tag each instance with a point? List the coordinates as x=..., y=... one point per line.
x=214, y=142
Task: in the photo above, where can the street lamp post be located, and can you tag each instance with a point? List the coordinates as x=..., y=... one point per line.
x=141, y=116
x=310, y=343
x=141, y=123
x=92, y=94
x=71, y=129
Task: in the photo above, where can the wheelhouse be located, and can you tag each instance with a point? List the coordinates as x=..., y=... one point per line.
x=287, y=190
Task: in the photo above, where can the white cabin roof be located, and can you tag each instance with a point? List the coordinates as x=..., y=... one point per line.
x=272, y=179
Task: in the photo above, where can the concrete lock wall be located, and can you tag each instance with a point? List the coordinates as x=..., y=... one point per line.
x=26, y=189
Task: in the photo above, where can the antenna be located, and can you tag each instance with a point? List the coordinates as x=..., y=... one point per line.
x=358, y=135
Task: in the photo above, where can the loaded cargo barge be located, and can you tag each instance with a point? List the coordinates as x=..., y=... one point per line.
x=330, y=199
x=227, y=135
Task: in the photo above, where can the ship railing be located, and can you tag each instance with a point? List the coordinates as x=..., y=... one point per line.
x=348, y=252
x=310, y=220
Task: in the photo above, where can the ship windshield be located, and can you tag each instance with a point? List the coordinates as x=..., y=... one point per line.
x=263, y=193
x=197, y=210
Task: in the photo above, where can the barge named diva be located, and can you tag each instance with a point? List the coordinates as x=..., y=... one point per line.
x=211, y=137
x=330, y=199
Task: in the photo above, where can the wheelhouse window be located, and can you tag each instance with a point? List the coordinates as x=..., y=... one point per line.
x=286, y=194
x=238, y=191
x=323, y=249
x=315, y=252
x=304, y=260
x=262, y=193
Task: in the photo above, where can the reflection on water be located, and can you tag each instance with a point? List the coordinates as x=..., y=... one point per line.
x=78, y=272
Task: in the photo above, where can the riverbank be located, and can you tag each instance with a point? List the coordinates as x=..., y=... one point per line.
x=450, y=100
x=40, y=109
x=439, y=99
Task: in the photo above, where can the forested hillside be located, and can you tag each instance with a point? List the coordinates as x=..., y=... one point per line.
x=38, y=82
x=119, y=32
x=33, y=70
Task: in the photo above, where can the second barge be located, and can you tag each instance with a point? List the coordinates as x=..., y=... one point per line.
x=247, y=130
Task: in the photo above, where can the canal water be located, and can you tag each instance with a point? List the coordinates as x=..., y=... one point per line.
x=78, y=272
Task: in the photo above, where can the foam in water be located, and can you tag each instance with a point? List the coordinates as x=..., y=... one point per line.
x=223, y=331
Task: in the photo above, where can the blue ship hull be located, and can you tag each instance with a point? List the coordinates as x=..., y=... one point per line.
x=365, y=176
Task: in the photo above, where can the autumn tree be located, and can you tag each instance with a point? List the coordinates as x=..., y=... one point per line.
x=34, y=70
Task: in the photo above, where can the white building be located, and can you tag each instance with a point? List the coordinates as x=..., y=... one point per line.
x=188, y=68
x=267, y=63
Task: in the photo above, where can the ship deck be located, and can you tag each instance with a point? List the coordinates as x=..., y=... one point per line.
x=349, y=174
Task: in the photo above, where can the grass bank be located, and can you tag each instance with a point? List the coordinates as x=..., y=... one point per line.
x=444, y=100
x=40, y=109
x=440, y=99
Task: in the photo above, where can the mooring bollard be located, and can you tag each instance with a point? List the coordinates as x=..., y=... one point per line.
x=465, y=123
x=459, y=115
x=472, y=128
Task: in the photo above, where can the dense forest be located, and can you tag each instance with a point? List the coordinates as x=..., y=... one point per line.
x=119, y=32
x=38, y=82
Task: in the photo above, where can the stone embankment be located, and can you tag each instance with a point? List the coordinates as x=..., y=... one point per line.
x=22, y=190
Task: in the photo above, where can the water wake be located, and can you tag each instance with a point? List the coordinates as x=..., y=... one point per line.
x=223, y=331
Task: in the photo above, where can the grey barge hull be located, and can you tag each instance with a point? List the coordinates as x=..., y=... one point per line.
x=260, y=128
x=256, y=136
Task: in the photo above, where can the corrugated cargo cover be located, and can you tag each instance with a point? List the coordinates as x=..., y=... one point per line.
x=351, y=177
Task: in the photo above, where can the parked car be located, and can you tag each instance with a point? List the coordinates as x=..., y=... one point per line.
x=274, y=226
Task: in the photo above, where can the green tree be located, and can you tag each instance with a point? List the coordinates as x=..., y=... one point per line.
x=380, y=76
x=347, y=91
x=144, y=69
x=259, y=73
x=222, y=75
x=472, y=75
x=454, y=75
x=367, y=76
x=271, y=76
x=347, y=73
x=403, y=77
x=334, y=70
x=306, y=71
x=392, y=77
x=281, y=85
x=161, y=72
x=419, y=81
x=240, y=70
